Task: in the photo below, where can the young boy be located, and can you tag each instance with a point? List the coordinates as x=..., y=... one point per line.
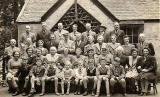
x=118, y=75
x=91, y=76
x=103, y=73
x=80, y=73
x=67, y=75
x=37, y=72
x=50, y=75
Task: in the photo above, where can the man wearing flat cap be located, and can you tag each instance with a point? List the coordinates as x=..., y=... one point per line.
x=107, y=55
x=66, y=43
x=104, y=33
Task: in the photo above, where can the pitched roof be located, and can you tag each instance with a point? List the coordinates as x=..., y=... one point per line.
x=33, y=10
x=133, y=9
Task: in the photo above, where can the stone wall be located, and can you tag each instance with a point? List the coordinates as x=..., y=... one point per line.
x=152, y=32
x=34, y=28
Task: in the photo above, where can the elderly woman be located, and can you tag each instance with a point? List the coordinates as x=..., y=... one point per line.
x=131, y=73
x=147, y=66
x=13, y=66
x=127, y=46
x=52, y=57
x=40, y=46
x=120, y=54
x=113, y=45
x=65, y=57
x=99, y=45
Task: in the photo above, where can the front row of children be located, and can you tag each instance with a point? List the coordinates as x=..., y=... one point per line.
x=110, y=74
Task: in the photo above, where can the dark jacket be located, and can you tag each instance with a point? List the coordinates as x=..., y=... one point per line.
x=120, y=34
x=150, y=64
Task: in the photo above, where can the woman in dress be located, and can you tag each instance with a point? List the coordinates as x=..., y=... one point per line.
x=52, y=57
x=131, y=73
x=13, y=65
x=146, y=66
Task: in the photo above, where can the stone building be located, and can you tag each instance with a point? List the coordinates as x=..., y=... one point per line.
x=135, y=16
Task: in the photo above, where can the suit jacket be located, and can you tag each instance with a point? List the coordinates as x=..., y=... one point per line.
x=66, y=44
x=87, y=47
x=112, y=48
x=59, y=35
x=98, y=49
x=45, y=37
x=120, y=34
x=85, y=36
x=149, y=63
x=145, y=44
x=106, y=37
x=72, y=35
x=80, y=44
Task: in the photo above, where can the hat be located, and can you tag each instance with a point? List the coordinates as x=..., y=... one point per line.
x=117, y=59
x=100, y=37
x=65, y=32
x=90, y=48
x=24, y=57
x=102, y=26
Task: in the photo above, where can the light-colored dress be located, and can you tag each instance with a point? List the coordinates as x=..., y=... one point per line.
x=132, y=72
x=49, y=59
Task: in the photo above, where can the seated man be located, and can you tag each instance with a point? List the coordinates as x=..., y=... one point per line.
x=37, y=73
x=50, y=75
x=67, y=75
x=118, y=75
x=103, y=73
x=80, y=73
x=24, y=74
x=91, y=76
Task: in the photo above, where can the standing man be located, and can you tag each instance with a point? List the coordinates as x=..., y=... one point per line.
x=104, y=33
x=144, y=44
x=72, y=35
x=87, y=33
x=119, y=33
x=28, y=39
x=44, y=35
x=59, y=33
x=9, y=50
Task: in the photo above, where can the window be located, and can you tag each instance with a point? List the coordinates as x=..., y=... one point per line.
x=133, y=30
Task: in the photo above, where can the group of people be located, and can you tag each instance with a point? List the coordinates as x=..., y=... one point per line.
x=77, y=59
